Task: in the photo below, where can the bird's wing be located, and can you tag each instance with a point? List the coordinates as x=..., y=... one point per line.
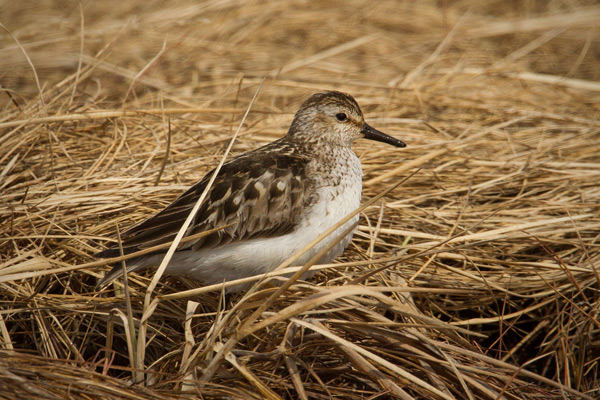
x=258, y=195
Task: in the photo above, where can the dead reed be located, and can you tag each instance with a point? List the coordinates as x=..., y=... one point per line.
x=476, y=278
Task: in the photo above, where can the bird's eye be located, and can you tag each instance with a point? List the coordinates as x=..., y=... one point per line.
x=341, y=117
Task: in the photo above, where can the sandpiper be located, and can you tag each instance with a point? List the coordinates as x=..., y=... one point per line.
x=275, y=200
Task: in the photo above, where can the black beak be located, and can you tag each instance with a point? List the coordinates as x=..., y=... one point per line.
x=373, y=134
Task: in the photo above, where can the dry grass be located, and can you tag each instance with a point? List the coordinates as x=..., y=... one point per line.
x=477, y=277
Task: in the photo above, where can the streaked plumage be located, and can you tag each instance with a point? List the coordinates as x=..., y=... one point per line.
x=277, y=199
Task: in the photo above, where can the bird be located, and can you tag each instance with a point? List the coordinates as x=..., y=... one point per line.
x=273, y=201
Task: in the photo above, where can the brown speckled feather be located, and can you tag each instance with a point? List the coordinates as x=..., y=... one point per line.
x=261, y=194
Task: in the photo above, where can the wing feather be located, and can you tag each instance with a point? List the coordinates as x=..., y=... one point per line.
x=262, y=194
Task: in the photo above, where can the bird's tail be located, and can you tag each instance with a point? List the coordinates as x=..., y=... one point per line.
x=117, y=271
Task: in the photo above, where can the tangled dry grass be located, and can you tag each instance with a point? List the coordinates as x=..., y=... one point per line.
x=476, y=278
